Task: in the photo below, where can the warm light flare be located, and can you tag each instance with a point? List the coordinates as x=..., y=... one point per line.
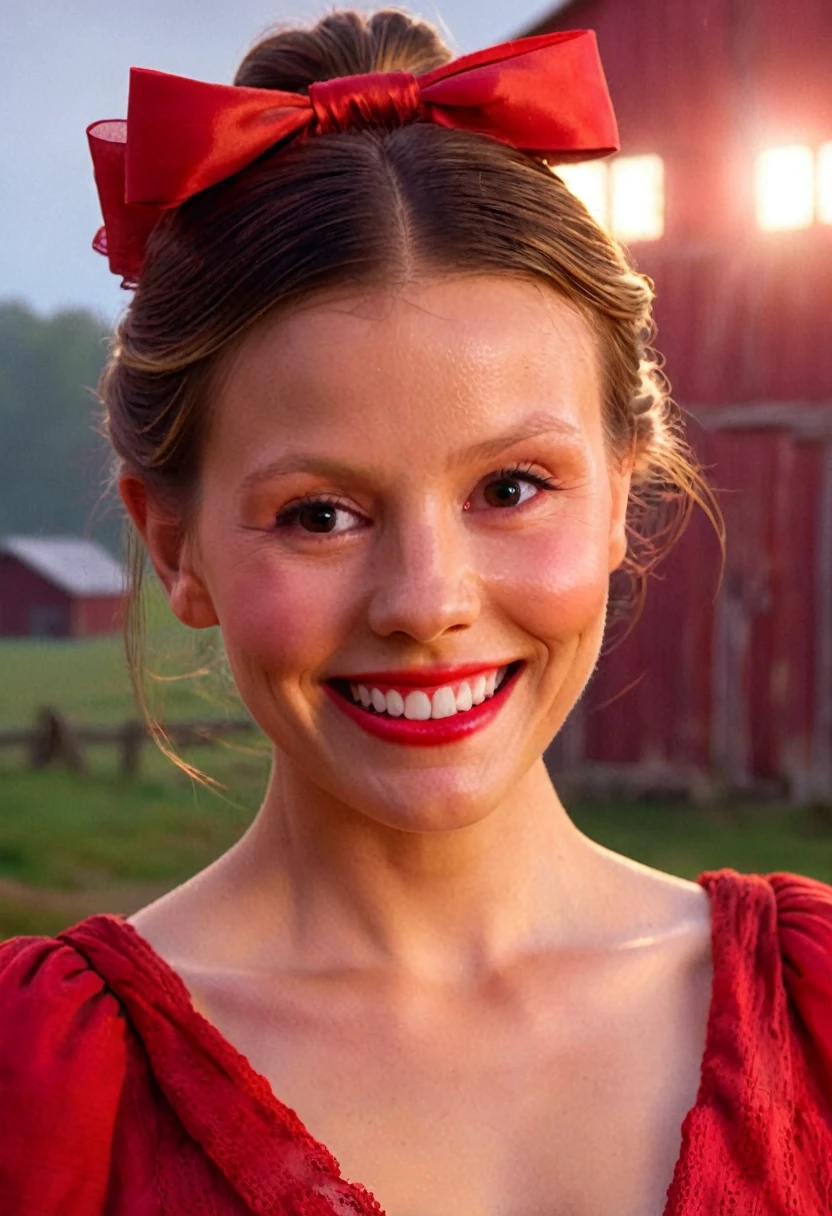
x=785, y=187
x=825, y=183
x=588, y=181
x=626, y=196
x=637, y=189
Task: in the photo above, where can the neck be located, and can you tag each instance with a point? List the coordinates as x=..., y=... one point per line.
x=317, y=885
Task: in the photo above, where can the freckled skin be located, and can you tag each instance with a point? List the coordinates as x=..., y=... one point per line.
x=399, y=382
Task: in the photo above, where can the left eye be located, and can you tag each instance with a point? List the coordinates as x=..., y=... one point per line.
x=507, y=491
x=506, y=488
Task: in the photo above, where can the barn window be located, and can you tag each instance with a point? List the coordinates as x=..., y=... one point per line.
x=785, y=187
x=825, y=183
x=589, y=181
x=625, y=195
x=637, y=197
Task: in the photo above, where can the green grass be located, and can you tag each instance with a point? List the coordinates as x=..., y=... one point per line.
x=685, y=840
x=70, y=846
x=87, y=679
x=118, y=845
x=63, y=832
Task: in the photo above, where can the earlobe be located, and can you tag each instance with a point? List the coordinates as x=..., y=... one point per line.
x=620, y=485
x=170, y=554
x=618, y=547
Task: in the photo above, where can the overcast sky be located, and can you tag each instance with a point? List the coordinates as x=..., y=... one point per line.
x=65, y=63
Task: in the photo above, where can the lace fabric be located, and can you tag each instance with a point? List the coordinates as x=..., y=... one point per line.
x=144, y=1109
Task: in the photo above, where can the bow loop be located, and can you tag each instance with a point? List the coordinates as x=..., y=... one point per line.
x=388, y=99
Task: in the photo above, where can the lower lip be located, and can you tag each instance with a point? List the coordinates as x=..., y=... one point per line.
x=431, y=732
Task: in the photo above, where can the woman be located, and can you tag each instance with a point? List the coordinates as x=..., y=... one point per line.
x=384, y=412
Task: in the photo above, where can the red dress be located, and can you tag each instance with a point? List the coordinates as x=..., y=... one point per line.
x=118, y=1099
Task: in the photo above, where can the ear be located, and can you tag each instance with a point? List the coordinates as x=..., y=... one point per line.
x=621, y=473
x=170, y=553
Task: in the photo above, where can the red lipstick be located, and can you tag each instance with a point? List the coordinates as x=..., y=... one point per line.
x=431, y=732
x=423, y=677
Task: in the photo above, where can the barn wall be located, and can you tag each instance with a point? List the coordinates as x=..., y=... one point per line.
x=29, y=606
x=739, y=689
x=734, y=687
x=742, y=314
x=93, y=615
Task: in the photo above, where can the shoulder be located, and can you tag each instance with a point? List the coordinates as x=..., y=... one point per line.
x=804, y=927
x=62, y=1063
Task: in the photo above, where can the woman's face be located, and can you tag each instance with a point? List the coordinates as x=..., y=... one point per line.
x=403, y=479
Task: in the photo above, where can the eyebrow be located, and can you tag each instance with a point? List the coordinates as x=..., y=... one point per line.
x=300, y=462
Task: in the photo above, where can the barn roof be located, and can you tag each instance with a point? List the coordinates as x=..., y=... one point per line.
x=74, y=565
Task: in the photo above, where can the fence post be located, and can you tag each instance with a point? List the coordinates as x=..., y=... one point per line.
x=132, y=736
x=55, y=740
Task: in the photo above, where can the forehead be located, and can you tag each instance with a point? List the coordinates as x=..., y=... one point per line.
x=421, y=364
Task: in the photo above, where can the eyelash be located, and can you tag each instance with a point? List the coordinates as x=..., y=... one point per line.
x=289, y=515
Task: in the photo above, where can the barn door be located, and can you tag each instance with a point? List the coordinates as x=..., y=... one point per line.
x=767, y=635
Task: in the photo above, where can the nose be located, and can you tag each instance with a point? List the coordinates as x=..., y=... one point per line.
x=424, y=583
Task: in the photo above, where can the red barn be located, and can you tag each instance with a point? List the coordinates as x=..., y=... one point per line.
x=58, y=586
x=723, y=193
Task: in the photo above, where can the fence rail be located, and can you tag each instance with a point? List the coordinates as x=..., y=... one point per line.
x=54, y=739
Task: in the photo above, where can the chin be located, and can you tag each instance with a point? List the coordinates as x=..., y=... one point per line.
x=427, y=811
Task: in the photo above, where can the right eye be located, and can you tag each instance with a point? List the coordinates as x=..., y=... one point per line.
x=315, y=514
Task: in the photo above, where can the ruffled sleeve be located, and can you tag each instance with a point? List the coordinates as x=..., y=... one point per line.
x=62, y=1062
x=804, y=918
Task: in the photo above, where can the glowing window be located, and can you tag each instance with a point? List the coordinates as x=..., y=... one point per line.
x=825, y=183
x=588, y=181
x=785, y=187
x=637, y=197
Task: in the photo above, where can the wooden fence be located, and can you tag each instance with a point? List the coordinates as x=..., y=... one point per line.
x=55, y=740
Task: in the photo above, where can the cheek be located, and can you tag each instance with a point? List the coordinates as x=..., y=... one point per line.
x=556, y=582
x=282, y=617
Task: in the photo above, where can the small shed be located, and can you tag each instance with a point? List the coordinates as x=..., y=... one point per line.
x=59, y=586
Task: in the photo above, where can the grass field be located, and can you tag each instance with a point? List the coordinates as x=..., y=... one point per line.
x=70, y=846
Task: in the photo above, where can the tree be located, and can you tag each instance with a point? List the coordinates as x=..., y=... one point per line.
x=54, y=466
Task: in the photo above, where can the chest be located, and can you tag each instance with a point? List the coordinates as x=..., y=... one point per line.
x=564, y=1095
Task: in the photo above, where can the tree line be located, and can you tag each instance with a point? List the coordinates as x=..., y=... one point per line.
x=54, y=464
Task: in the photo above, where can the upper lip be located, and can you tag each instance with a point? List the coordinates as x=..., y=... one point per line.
x=422, y=677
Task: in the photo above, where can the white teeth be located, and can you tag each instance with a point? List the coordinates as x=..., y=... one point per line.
x=443, y=704
x=478, y=690
x=417, y=706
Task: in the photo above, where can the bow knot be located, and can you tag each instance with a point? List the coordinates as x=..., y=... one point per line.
x=388, y=99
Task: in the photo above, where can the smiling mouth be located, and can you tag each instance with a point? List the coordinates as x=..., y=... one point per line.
x=420, y=705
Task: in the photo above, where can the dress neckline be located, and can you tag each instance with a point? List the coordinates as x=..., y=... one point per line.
x=725, y=888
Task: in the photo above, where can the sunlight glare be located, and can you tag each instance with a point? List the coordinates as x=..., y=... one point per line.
x=785, y=187
x=638, y=198
x=588, y=182
x=825, y=183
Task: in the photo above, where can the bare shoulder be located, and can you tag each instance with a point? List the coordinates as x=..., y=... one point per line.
x=639, y=895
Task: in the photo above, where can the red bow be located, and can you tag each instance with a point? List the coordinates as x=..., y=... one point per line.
x=545, y=95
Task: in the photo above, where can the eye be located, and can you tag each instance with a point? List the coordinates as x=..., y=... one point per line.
x=315, y=514
x=505, y=487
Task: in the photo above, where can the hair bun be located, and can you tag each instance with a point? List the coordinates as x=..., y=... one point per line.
x=344, y=43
